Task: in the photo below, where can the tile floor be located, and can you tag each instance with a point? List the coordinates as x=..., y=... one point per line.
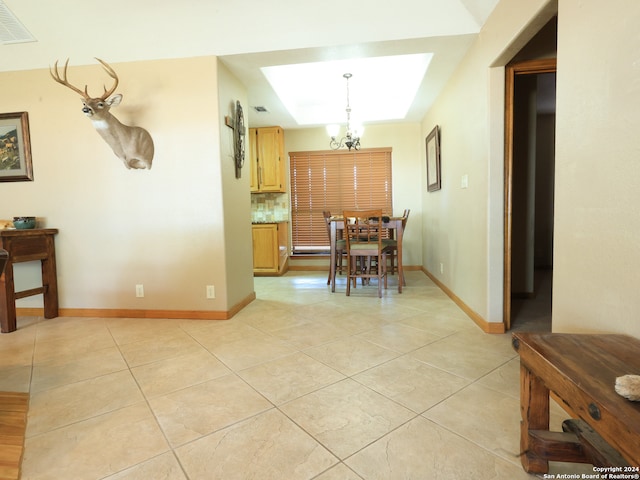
x=301, y=384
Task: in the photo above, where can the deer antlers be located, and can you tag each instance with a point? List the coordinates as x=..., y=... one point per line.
x=62, y=80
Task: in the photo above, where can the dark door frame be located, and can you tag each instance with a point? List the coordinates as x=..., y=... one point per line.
x=529, y=67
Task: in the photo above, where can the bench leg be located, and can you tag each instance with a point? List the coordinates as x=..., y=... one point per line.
x=534, y=410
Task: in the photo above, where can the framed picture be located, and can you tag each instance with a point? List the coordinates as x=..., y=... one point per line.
x=15, y=148
x=433, y=160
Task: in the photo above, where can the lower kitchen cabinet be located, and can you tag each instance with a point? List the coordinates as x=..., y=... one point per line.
x=270, y=248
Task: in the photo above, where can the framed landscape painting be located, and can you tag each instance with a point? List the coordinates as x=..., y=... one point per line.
x=15, y=148
x=433, y=160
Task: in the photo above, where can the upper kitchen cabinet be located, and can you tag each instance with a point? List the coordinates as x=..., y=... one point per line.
x=268, y=166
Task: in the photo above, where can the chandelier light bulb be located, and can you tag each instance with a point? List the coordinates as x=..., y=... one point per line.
x=333, y=130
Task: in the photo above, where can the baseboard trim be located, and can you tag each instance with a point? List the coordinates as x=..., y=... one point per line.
x=487, y=327
x=309, y=268
x=135, y=313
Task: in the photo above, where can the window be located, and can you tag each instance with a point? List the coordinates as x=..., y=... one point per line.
x=335, y=180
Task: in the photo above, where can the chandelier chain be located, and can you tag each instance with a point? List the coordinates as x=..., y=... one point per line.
x=349, y=140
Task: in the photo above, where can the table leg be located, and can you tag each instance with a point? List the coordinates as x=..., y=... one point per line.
x=7, y=300
x=399, y=234
x=534, y=409
x=332, y=243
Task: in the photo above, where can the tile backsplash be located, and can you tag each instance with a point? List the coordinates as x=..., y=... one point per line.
x=269, y=207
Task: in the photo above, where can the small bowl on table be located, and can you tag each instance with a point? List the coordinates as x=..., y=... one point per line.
x=24, y=223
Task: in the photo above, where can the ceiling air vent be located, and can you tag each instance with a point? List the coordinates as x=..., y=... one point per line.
x=11, y=30
x=261, y=109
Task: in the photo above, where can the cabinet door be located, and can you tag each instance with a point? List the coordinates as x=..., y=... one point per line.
x=253, y=159
x=271, y=172
x=265, y=248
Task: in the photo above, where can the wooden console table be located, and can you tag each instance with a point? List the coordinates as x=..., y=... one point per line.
x=581, y=371
x=26, y=246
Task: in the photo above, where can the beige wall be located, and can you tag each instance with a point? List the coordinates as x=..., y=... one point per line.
x=406, y=144
x=597, y=229
x=236, y=197
x=163, y=228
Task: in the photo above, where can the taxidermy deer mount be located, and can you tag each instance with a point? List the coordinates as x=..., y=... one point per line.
x=133, y=145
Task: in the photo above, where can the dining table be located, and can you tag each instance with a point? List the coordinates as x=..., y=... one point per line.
x=390, y=223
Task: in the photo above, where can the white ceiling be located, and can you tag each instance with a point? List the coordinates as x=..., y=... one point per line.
x=248, y=35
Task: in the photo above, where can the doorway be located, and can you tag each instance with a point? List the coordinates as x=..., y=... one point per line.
x=529, y=191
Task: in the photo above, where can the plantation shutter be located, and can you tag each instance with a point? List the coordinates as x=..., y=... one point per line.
x=335, y=181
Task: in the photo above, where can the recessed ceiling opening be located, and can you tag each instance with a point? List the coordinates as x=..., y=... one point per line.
x=314, y=93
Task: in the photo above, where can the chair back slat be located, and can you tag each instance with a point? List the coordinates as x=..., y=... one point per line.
x=363, y=230
x=405, y=217
x=327, y=220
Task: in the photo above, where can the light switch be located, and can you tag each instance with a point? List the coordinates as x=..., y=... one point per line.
x=464, y=183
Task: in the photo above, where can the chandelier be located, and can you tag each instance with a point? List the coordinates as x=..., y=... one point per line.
x=352, y=137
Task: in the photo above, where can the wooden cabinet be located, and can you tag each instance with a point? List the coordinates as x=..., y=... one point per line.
x=268, y=166
x=270, y=248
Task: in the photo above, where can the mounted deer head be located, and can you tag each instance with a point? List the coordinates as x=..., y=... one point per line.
x=133, y=145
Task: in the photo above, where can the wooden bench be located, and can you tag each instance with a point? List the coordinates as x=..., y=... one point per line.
x=579, y=370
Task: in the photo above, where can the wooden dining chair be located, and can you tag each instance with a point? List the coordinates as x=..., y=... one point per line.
x=341, y=249
x=392, y=247
x=364, y=243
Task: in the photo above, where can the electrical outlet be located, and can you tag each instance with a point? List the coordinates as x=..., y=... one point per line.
x=139, y=291
x=211, y=291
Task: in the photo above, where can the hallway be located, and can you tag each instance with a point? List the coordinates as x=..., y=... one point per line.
x=534, y=314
